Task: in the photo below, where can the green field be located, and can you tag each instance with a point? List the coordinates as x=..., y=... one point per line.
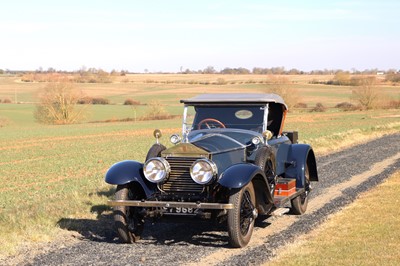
x=49, y=173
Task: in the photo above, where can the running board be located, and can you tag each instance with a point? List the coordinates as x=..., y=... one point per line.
x=280, y=211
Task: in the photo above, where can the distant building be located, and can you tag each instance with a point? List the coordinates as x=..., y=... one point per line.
x=380, y=73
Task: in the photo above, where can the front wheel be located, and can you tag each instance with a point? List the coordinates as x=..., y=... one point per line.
x=241, y=218
x=128, y=222
x=155, y=151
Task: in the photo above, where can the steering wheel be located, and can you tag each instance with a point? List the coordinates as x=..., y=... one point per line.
x=215, y=123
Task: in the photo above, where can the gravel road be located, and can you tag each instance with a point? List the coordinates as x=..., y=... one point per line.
x=343, y=175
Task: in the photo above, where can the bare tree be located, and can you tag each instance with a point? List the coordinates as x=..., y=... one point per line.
x=156, y=110
x=367, y=93
x=281, y=86
x=58, y=104
x=341, y=78
x=209, y=70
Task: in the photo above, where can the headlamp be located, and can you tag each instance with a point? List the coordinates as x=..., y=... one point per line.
x=156, y=170
x=203, y=171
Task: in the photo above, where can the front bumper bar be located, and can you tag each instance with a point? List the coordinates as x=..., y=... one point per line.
x=171, y=204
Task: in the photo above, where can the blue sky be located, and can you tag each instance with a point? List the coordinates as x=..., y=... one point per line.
x=168, y=35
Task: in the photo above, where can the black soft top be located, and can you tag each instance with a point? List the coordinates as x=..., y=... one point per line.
x=235, y=98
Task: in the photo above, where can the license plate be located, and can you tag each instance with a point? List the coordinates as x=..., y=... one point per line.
x=182, y=211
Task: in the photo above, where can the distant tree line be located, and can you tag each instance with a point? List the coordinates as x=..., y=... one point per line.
x=345, y=78
x=83, y=75
x=283, y=71
x=86, y=73
x=94, y=75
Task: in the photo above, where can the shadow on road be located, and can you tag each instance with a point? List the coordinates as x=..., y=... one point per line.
x=186, y=233
x=165, y=233
x=198, y=233
x=100, y=230
x=189, y=232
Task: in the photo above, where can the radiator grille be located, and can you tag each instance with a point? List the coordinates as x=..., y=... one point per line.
x=179, y=179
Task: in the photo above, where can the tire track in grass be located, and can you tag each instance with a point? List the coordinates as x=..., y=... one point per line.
x=43, y=181
x=128, y=133
x=25, y=160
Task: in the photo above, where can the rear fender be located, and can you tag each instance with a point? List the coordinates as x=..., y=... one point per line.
x=298, y=156
x=126, y=172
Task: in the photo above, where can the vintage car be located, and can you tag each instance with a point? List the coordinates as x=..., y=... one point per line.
x=232, y=163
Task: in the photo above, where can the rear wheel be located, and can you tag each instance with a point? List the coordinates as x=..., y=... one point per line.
x=128, y=222
x=299, y=204
x=241, y=218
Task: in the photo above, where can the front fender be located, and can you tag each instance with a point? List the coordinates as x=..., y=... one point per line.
x=239, y=175
x=129, y=171
x=300, y=155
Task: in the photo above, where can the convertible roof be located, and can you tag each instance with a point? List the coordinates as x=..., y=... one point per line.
x=235, y=98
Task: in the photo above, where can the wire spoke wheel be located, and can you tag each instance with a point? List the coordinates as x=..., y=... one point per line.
x=128, y=222
x=246, y=213
x=241, y=218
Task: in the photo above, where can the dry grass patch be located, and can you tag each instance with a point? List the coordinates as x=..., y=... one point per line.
x=365, y=233
x=339, y=141
x=131, y=101
x=346, y=106
x=319, y=107
x=156, y=111
x=4, y=122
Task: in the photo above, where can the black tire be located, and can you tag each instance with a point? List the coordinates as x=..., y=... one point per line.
x=241, y=218
x=299, y=204
x=155, y=151
x=265, y=159
x=128, y=222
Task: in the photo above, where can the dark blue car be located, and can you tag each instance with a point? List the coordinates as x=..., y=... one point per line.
x=232, y=163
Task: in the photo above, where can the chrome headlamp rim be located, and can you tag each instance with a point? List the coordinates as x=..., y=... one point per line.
x=210, y=175
x=157, y=175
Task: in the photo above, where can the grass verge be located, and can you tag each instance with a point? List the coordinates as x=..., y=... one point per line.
x=367, y=232
x=339, y=141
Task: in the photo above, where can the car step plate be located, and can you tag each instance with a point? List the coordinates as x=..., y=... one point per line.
x=280, y=211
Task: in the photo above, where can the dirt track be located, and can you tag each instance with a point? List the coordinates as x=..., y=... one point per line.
x=343, y=175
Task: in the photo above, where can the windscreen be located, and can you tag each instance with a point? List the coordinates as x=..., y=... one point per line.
x=240, y=117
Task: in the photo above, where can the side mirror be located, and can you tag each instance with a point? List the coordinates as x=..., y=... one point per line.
x=267, y=134
x=157, y=134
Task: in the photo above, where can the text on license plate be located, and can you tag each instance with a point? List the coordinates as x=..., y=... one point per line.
x=181, y=210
